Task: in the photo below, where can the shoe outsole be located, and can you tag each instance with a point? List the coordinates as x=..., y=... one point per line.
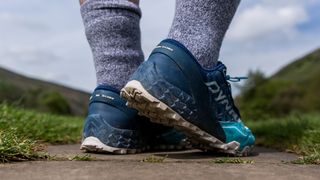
x=158, y=112
x=94, y=145
x=183, y=145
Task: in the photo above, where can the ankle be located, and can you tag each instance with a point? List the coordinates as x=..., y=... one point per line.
x=82, y=1
x=135, y=1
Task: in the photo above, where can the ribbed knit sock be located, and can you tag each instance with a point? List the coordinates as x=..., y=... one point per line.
x=113, y=32
x=201, y=25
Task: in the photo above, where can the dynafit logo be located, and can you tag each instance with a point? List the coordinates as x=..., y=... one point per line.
x=222, y=98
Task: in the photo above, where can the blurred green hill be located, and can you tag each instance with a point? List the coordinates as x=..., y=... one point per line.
x=294, y=89
x=21, y=91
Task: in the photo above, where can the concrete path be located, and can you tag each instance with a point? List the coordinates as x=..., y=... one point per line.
x=193, y=165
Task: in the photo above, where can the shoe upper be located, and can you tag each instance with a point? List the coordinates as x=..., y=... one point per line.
x=106, y=102
x=175, y=78
x=220, y=94
x=227, y=113
x=110, y=121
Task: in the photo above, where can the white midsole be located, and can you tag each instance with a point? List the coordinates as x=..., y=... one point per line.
x=91, y=143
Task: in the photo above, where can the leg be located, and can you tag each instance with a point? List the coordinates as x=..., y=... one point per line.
x=113, y=32
x=200, y=25
x=112, y=29
x=81, y=1
x=134, y=1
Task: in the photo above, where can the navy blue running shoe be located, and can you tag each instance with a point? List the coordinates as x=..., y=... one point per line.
x=171, y=88
x=112, y=127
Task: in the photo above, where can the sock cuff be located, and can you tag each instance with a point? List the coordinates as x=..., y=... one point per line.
x=91, y=5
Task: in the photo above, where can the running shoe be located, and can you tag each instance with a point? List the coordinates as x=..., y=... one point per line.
x=171, y=88
x=112, y=127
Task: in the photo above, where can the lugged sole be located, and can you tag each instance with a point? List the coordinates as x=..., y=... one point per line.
x=93, y=144
x=158, y=112
x=184, y=145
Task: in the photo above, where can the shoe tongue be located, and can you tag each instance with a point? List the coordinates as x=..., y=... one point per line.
x=221, y=67
x=216, y=80
x=210, y=74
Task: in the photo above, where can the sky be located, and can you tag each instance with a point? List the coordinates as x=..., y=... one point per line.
x=45, y=39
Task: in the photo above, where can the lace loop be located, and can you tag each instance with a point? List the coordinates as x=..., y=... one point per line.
x=235, y=79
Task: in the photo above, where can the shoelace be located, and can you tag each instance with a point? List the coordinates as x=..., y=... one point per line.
x=235, y=79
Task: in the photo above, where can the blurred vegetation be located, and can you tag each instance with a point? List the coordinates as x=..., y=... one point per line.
x=24, y=92
x=293, y=90
x=37, y=99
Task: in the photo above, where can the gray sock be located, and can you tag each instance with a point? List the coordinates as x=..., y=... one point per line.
x=200, y=25
x=113, y=32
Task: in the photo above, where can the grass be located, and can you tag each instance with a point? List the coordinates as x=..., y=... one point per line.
x=23, y=131
x=154, y=159
x=314, y=158
x=42, y=127
x=298, y=134
x=15, y=148
x=86, y=157
x=232, y=161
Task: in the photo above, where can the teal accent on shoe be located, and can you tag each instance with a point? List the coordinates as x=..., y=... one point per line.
x=171, y=137
x=237, y=131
